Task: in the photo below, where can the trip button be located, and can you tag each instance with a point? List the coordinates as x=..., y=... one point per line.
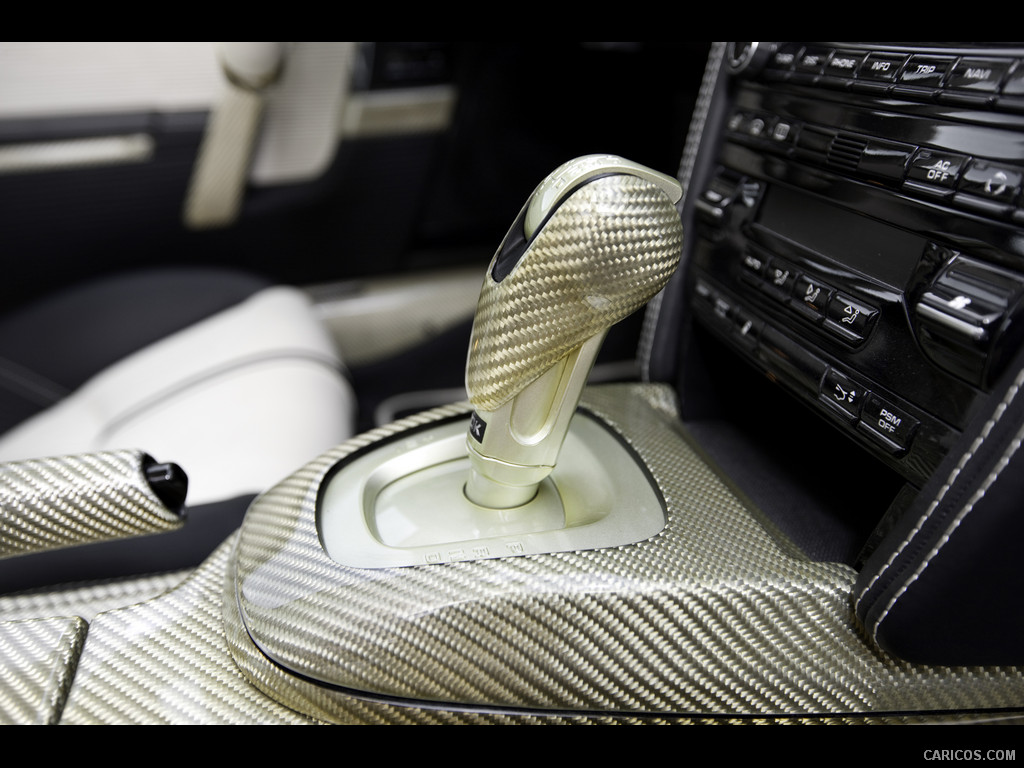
x=925, y=71
x=888, y=425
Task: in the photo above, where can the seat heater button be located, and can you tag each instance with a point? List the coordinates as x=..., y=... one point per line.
x=850, y=317
x=810, y=296
x=780, y=277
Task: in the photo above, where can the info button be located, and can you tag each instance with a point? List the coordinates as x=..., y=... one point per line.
x=891, y=426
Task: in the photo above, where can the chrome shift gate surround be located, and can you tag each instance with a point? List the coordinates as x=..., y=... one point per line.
x=403, y=503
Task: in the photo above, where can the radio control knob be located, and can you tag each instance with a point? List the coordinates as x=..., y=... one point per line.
x=748, y=58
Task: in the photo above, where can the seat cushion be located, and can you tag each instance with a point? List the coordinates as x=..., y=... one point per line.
x=238, y=396
x=52, y=346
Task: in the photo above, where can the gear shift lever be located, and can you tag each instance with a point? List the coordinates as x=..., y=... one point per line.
x=596, y=240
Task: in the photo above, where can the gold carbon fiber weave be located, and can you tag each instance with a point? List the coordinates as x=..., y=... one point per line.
x=38, y=664
x=715, y=616
x=167, y=662
x=606, y=250
x=68, y=500
x=88, y=599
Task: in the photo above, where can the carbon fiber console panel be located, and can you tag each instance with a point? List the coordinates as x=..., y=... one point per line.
x=39, y=661
x=715, y=616
x=718, y=618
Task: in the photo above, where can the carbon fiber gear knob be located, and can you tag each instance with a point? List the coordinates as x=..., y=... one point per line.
x=595, y=241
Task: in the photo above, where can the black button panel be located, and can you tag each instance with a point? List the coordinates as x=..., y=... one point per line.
x=915, y=76
x=839, y=315
x=866, y=410
x=874, y=157
x=973, y=183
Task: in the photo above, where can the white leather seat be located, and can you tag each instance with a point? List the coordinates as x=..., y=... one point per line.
x=232, y=378
x=239, y=400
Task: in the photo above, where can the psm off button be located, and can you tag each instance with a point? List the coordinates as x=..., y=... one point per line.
x=887, y=425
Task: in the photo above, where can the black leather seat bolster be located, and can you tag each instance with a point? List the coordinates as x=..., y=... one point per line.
x=52, y=346
x=946, y=586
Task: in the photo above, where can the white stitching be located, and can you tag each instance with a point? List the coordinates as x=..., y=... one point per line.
x=975, y=446
x=956, y=523
x=690, y=150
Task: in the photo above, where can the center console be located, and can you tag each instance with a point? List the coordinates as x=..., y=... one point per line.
x=857, y=235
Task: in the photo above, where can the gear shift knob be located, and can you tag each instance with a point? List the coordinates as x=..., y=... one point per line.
x=595, y=241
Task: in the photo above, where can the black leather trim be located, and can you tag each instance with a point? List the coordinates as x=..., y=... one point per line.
x=945, y=585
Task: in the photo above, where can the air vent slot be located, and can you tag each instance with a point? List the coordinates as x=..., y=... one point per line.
x=845, y=152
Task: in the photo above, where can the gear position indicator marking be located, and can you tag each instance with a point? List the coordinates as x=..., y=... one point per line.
x=477, y=427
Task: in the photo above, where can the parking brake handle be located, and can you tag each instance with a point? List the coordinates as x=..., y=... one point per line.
x=595, y=241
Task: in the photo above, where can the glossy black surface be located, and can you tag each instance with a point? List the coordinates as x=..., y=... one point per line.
x=847, y=180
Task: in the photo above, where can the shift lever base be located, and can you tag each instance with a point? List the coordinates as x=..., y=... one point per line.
x=404, y=502
x=526, y=432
